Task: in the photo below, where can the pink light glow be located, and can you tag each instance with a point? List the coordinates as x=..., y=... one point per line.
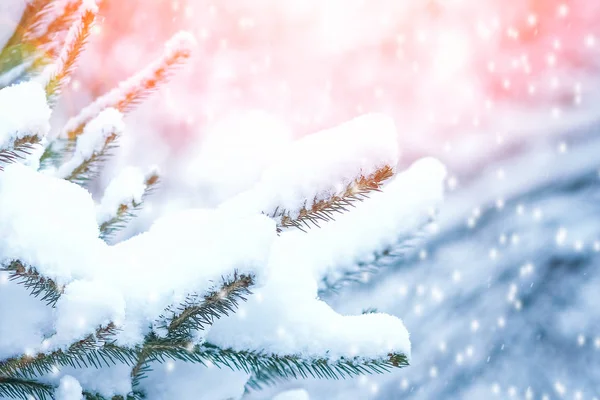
x=439, y=67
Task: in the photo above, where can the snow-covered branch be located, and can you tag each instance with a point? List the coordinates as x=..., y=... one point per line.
x=135, y=89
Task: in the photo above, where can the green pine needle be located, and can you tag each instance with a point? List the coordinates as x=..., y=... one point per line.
x=90, y=168
x=321, y=211
x=96, y=350
x=15, y=388
x=126, y=212
x=19, y=150
x=270, y=367
x=197, y=312
x=38, y=285
x=69, y=56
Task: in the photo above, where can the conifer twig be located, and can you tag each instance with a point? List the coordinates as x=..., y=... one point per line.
x=135, y=89
x=194, y=314
x=270, y=366
x=19, y=149
x=324, y=210
x=128, y=211
x=199, y=311
x=47, y=33
x=38, y=285
x=74, y=44
x=88, y=168
x=95, y=350
x=25, y=389
x=403, y=249
x=17, y=46
x=38, y=38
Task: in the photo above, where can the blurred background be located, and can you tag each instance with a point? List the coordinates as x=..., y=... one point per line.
x=503, y=300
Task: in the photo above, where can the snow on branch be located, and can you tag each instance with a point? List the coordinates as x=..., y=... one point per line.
x=317, y=175
x=123, y=198
x=94, y=350
x=50, y=224
x=52, y=17
x=40, y=36
x=18, y=47
x=25, y=388
x=285, y=316
x=198, y=312
x=93, y=146
x=325, y=209
x=103, y=282
x=378, y=227
x=24, y=120
x=360, y=272
x=38, y=285
x=69, y=389
x=60, y=72
x=280, y=365
x=131, y=92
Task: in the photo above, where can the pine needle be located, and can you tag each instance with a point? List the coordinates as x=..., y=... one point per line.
x=95, y=351
x=25, y=389
x=74, y=45
x=38, y=38
x=19, y=150
x=404, y=248
x=325, y=210
x=126, y=212
x=194, y=314
x=38, y=285
x=90, y=168
x=134, y=90
x=271, y=367
x=197, y=312
x=17, y=47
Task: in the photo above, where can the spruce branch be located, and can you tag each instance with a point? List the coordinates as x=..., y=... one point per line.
x=390, y=256
x=270, y=367
x=96, y=350
x=275, y=368
x=126, y=212
x=49, y=36
x=53, y=18
x=197, y=312
x=74, y=44
x=19, y=149
x=38, y=285
x=89, y=168
x=37, y=40
x=53, y=153
x=323, y=210
x=17, y=47
x=134, y=90
x=194, y=314
x=25, y=389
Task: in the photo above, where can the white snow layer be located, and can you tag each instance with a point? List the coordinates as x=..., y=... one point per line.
x=51, y=224
x=92, y=140
x=184, y=381
x=296, y=394
x=69, y=389
x=312, y=167
x=127, y=187
x=23, y=112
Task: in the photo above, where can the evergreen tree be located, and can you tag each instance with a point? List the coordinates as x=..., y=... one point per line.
x=355, y=178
